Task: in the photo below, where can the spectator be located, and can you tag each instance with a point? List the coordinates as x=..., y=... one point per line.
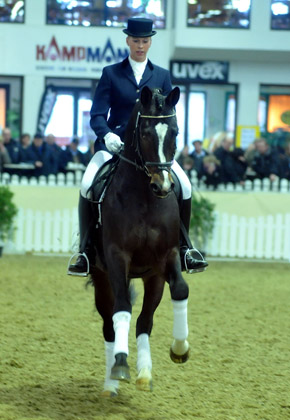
x=71, y=154
x=212, y=171
x=89, y=153
x=183, y=154
x=4, y=155
x=224, y=155
x=25, y=141
x=188, y=165
x=240, y=163
x=284, y=162
x=41, y=156
x=265, y=161
x=197, y=155
x=11, y=145
x=56, y=151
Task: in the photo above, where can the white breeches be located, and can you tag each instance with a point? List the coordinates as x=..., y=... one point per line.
x=102, y=156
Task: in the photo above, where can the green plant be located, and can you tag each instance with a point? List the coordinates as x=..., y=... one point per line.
x=202, y=220
x=8, y=211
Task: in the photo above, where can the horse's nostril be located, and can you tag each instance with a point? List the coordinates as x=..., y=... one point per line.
x=154, y=187
x=172, y=185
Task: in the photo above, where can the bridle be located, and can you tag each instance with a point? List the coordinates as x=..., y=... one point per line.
x=161, y=166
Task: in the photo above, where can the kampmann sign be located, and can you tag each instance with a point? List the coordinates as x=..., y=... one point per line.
x=199, y=71
x=79, y=54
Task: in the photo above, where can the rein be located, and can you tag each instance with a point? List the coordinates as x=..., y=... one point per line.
x=161, y=166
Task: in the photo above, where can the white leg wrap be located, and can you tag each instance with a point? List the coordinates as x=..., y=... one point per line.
x=180, y=327
x=143, y=352
x=96, y=162
x=183, y=179
x=121, y=322
x=110, y=384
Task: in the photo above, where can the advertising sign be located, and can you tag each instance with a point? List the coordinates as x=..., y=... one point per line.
x=214, y=72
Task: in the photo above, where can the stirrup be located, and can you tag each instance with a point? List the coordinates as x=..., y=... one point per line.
x=84, y=273
x=192, y=270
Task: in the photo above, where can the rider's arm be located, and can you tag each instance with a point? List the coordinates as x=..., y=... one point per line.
x=101, y=106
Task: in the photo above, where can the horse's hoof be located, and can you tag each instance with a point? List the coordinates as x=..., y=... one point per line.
x=109, y=394
x=176, y=358
x=179, y=351
x=120, y=373
x=144, y=384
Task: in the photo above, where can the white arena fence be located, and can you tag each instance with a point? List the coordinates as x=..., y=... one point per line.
x=56, y=232
x=74, y=179
x=259, y=237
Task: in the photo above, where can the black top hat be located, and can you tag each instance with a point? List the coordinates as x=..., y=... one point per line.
x=139, y=28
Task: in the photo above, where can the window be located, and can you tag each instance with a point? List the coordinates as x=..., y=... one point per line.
x=110, y=13
x=219, y=13
x=12, y=11
x=67, y=113
x=196, y=116
x=278, y=109
x=3, y=100
x=10, y=104
x=280, y=14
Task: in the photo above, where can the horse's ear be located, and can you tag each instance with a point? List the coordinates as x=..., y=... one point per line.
x=173, y=97
x=146, y=96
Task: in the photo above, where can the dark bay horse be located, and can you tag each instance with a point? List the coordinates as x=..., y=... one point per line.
x=139, y=237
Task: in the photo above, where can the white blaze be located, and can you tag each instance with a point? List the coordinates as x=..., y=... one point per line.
x=161, y=130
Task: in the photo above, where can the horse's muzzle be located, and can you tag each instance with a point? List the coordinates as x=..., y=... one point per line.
x=161, y=186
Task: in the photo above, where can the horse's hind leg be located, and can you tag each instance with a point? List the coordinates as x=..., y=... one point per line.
x=153, y=290
x=104, y=303
x=179, y=351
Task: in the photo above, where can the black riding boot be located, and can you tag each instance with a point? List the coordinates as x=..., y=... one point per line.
x=85, y=256
x=188, y=262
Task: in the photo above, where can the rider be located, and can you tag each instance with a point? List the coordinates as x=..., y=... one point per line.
x=117, y=92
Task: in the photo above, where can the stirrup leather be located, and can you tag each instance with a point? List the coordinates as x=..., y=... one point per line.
x=84, y=273
x=191, y=270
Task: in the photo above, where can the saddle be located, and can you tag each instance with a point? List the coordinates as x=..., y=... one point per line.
x=102, y=180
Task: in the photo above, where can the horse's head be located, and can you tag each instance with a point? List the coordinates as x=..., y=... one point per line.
x=156, y=131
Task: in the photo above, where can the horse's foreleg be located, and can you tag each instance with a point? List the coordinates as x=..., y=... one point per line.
x=179, y=351
x=153, y=290
x=144, y=363
x=120, y=369
x=117, y=263
x=104, y=301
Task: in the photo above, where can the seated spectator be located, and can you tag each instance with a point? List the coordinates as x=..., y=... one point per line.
x=90, y=152
x=12, y=145
x=284, y=163
x=265, y=161
x=197, y=155
x=212, y=171
x=4, y=155
x=225, y=157
x=71, y=154
x=183, y=154
x=56, y=150
x=41, y=156
x=25, y=141
x=188, y=165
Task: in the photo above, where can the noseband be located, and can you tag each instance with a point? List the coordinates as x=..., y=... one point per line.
x=161, y=166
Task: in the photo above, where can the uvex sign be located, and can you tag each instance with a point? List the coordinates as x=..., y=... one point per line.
x=199, y=71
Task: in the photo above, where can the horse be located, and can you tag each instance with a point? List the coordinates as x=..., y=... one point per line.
x=139, y=238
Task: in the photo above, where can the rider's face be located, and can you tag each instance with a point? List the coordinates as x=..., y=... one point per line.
x=138, y=47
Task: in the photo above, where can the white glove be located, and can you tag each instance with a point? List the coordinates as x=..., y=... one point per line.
x=113, y=142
